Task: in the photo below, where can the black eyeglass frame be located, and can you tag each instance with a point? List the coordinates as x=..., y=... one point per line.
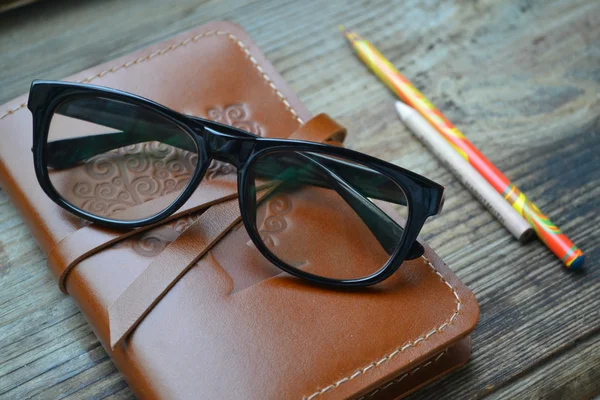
x=240, y=148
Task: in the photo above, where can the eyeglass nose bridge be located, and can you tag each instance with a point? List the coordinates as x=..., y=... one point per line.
x=229, y=148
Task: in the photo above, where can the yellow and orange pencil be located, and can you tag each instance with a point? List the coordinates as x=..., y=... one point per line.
x=549, y=233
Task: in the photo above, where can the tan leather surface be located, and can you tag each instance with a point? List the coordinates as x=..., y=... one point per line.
x=234, y=326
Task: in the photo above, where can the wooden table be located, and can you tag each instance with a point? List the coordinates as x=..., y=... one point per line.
x=521, y=80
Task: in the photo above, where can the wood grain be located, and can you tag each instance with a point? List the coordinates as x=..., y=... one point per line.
x=521, y=79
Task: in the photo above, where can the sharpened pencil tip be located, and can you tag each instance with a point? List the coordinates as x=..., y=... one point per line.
x=351, y=36
x=403, y=110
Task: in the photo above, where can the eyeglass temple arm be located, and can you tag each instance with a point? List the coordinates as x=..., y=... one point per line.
x=385, y=229
x=66, y=153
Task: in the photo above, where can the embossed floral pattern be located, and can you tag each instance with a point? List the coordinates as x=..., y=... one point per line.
x=132, y=175
x=236, y=115
x=218, y=168
x=275, y=222
x=172, y=170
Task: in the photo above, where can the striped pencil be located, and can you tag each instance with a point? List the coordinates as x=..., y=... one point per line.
x=548, y=233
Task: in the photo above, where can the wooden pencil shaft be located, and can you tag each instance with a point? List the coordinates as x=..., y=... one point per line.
x=466, y=174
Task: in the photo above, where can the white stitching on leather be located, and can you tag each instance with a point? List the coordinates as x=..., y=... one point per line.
x=174, y=46
x=400, y=378
x=399, y=349
x=12, y=111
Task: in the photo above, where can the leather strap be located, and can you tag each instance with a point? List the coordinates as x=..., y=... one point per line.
x=91, y=239
x=321, y=128
x=145, y=292
x=171, y=264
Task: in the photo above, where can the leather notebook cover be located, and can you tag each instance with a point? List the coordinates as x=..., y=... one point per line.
x=231, y=325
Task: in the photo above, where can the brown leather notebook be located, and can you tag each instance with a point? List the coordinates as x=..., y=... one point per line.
x=190, y=309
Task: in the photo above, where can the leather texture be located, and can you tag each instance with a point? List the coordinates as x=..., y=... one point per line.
x=226, y=323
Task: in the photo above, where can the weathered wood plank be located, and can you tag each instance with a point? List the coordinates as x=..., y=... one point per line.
x=521, y=79
x=583, y=382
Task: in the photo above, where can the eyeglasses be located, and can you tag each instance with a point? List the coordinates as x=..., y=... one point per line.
x=123, y=161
